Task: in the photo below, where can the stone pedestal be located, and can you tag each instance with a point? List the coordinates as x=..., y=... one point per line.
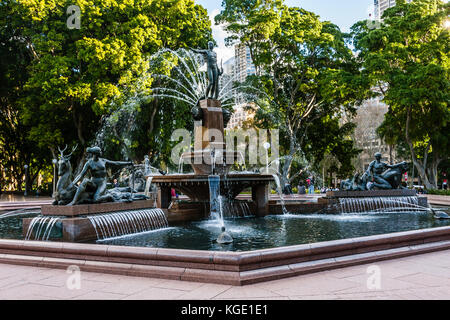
x=164, y=197
x=260, y=195
x=209, y=133
x=208, y=136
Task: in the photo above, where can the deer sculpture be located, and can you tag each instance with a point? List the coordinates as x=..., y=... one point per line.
x=65, y=190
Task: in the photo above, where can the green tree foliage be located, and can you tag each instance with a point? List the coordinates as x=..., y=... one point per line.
x=65, y=81
x=407, y=60
x=308, y=75
x=16, y=150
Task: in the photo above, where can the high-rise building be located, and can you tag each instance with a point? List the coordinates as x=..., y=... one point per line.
x=241, y=69
x=243, y=64
x=226, y=80
x=382, y=5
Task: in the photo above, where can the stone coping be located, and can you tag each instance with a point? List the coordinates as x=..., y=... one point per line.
x=235, y=268
x=84, y=209
x=371, y=193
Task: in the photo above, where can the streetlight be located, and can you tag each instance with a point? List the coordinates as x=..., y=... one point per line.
x=54, y=161
x=26, y=180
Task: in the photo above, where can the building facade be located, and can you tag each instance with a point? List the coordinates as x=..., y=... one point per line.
x=243, y=62
x=241, y=69
x=383, y=5
x=369, y=117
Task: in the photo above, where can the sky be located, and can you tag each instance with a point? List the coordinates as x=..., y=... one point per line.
x=343, y=13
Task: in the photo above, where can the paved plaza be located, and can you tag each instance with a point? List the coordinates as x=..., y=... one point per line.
x=424, y=276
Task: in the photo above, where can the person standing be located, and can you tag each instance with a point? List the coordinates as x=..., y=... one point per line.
x=311, y=185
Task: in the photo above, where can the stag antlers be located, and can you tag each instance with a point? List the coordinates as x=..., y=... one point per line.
x=61, y=152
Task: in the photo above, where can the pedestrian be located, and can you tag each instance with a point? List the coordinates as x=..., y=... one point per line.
x=116, y=183
x=311, y=185
x=301, y=188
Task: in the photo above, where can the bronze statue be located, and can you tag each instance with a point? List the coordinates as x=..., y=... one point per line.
x=393, y=175
x=375, y=171
x=65, y=190
x=213, y=70
x=97, y=183
x=379, y=175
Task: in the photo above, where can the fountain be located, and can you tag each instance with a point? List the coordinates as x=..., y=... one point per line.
x=362, y=228
x=210, y=157
x=379, y=188
x=90, y=211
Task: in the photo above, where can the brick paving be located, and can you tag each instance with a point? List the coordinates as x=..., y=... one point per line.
x=425, y=276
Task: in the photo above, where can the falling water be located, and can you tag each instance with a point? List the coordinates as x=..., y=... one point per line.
x=215, y=199
x=180, y=165
x=235, y=208
x=280, y=193
x=121, y=223
x=380, y=204
x=41, y=227
x=148, y=185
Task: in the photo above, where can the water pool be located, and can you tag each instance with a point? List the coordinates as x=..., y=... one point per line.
x=278, y=230
x=260, y=233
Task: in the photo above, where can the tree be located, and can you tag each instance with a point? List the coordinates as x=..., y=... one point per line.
x=16, y=150
x=308, y=76
x=74, y=78
x=407, y=60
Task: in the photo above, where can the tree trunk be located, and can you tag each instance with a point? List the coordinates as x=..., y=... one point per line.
x=421, y=171
x=434, y=170
x=421, y=168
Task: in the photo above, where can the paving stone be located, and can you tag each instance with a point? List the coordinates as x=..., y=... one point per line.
x=417, y=277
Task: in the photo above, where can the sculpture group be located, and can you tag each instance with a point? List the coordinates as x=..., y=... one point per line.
x=379, y=175
x=93, y=177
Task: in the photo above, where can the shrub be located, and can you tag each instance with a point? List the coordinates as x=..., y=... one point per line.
x=439, y=192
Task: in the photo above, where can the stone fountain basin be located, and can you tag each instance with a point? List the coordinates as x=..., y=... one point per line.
x=234, y=268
